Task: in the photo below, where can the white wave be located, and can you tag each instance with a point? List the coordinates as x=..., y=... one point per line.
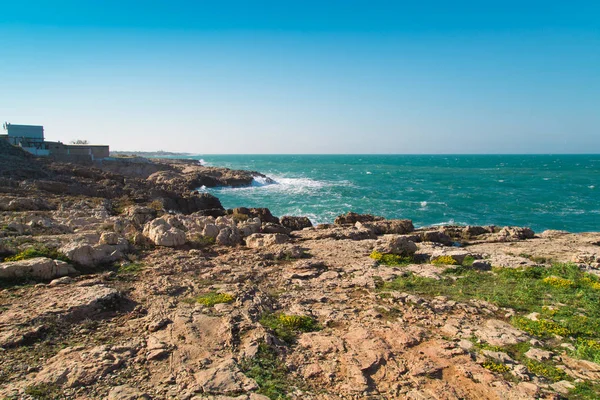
x=423, y=204
x=202, y=162
x=591, y=186
x=285, y=186
x=260, y=181
x=546, y=179
x=500, y=180
x=369, y=173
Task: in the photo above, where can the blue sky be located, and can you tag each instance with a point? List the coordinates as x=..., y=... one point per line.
x=306, y=76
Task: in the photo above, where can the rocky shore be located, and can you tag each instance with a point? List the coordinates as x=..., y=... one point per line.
x=120, y=281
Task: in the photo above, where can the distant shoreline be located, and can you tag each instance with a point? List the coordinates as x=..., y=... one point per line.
x=148, y=153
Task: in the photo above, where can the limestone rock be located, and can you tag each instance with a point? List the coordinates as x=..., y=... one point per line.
x=162, y=233
x=295, y=223
x=512, y=233
x=500, y=333
x=228, y=236
x=391, y=226
x=396, y=245
x=124, y=392
x=77, y=366
x=40, y=268
x=538, y=354
x=87, y=254
x=258, y=240
x=457, y=255
x=274, y=228
x=225, y=378
x=436, y=237
x=140, y=215
x=352, y=218
x=210, y=230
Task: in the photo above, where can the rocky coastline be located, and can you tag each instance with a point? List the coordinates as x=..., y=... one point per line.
x=121, y=281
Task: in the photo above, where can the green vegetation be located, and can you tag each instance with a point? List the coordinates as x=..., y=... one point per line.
x=130, y=269
x=495, y=367
x=269, y=372
x=565, y=297
x=444, y=260
x=43, y=391
x=211, y=298
x=588, y=349
x=38, y=251
x=545, y=369
x=468, y=261
x=392, y=259
x=200, y=241
x=287, y=327
x=585, y=391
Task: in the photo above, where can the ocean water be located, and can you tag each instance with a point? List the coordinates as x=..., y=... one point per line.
x=539, y=191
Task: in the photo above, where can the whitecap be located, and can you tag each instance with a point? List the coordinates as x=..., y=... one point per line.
x=369, y=173
x=500, y=180
x=591, y=186
x=423, y=204
x=261, y=181
x=546, y=179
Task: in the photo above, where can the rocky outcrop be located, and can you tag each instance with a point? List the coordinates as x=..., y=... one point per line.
x=93, y=250
x=352, y=218
x=259, y=240
x=243, y=213
x=393, y=244
x=162, y=233
x=38, y=268
x=391, y=226
x=295, y=223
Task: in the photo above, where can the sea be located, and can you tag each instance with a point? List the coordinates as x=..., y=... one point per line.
x=538, y=191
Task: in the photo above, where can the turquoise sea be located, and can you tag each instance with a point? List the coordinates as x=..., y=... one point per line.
x=539, y=191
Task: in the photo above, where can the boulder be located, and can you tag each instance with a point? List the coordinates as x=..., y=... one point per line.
x=295, y=223
x=258, y=240
x=396, y=245
x=140, y=215
x=249, y=227
x=225, y=378
x=457, y=255
x=40, y=268
x=391, y=226
x=109, y=238
x=264, y=214
x=229, y=236
x=511, y=233
x=275, y=228
x=352, y=218
x=88, y=254
x=27, y=204
x=435, y=237
x=210, y=230
x=161, y=233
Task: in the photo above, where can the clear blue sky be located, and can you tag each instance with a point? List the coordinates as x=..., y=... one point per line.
x=306, y=76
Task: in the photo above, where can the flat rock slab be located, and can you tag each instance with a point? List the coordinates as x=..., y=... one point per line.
x=39, y=267
x=28, y=315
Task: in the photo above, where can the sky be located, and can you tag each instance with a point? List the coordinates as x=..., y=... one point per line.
x=306, y=77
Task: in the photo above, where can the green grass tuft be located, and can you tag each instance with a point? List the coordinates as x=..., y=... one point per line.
x=39, y=251
x=269, y=372
x=287, y=327
x=444, y=260
x=211, y=298
x=392, y=259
